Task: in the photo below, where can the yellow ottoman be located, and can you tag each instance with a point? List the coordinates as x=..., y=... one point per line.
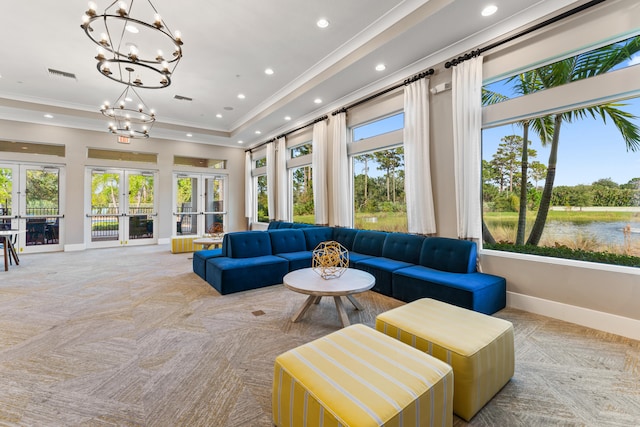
x=359, y=377
x=181, y=244
x=477, y=346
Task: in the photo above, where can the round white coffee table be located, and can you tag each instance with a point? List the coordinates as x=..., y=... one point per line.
x=306, y=281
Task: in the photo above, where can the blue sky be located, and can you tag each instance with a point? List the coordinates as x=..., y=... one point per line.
x=588, y=150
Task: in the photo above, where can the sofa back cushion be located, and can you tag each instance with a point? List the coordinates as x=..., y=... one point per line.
x=287, y=240
x=246, y=244
x=403, y=247
x=315, y=235
x=369, y=242
x=452, y=255
x=344, y=236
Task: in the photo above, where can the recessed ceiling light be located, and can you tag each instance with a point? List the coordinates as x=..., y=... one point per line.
x=258, y=132
x=189, y=135
x=241, y=96
x=489, y=10
x=219, y=116
x=132, y=29
x=287, y=118
x=322, y=23
x=240, y=141
x=381, y=67
x=48, y=116
x=268, y=71
x=318, y=101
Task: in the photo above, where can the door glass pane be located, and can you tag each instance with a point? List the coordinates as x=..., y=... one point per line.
x=214, y=205
x=105, y=208
x=42, y=206
x=6, y=189
x=140, y=207
x=187, y=206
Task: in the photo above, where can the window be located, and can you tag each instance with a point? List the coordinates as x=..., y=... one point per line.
x=378, y=190
x=379, y=127
x=262, y=205
x=302, y=185
x=575, y=182
x=301, y=150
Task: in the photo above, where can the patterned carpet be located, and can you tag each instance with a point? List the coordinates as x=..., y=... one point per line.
x=131, y=337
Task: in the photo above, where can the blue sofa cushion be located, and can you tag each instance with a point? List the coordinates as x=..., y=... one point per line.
x=301, y=225
x=246, y=244
x=481, y=292
x=287, y=240
x=315, y=235
x=274, y=225
x=297, y=260
x=403, y=247
x=381, y=268
x=200, y=258
x=344, y=236
x=369, y=242
x=228, y=275
x=451, y=255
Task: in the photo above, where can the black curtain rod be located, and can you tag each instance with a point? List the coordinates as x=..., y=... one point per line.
x=543, y=24
x=415, y=78
x=319, y=119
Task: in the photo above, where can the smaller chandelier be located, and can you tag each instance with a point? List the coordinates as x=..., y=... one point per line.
x=124, y=42
x=129, y=115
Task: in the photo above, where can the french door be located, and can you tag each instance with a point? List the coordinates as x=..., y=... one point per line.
x=31, y=198
x=199, y=204
x=121, y=207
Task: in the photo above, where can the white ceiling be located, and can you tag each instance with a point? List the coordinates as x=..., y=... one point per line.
x=228, y=45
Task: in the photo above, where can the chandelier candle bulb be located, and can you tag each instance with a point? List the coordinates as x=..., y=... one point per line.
x=157, y=21
x=122, y=9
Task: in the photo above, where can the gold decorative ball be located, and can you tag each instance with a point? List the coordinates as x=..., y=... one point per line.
x=330, y=259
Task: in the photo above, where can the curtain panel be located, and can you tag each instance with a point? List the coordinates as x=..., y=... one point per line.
x=340, y=184
x=319, y=173
x=467, y=135
x=248, y=188
x=417, y=163
x=272, y=179
x=282, y=205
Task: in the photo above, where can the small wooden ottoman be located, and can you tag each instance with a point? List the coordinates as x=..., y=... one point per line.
x=359, y=377
x=477, y=346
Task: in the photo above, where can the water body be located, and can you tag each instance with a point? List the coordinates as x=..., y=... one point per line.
x=604, y=232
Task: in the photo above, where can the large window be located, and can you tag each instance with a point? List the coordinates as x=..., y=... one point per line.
x=569, y=179
x=302, y=185
x=377, y=159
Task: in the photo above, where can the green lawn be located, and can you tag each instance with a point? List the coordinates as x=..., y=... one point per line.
x=383, y=221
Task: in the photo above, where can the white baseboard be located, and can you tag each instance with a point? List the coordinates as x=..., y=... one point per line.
x=75, y=248
x=600, y=320
x=164, y=241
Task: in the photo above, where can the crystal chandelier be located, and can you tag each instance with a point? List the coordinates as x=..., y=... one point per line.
x=150, y=49
x=129, y=115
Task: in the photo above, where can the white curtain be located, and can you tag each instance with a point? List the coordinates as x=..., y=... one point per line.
x=282, y=206
x=319, y=174
x=272, y=179
x=248, y=188
x=417, y=164
x=340, y=188
x=467, y=125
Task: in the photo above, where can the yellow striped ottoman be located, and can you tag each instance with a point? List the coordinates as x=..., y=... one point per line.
x=359, y=377
x=477, y=346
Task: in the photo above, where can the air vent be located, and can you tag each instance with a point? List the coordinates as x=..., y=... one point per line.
x=58, y=73
x=182, y=98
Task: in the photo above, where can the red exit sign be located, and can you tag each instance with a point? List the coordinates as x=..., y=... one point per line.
x=123, y=140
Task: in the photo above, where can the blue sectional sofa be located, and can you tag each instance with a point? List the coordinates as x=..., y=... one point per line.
x=406, y=267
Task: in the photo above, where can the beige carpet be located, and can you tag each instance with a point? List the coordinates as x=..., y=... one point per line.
x=131, y=337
